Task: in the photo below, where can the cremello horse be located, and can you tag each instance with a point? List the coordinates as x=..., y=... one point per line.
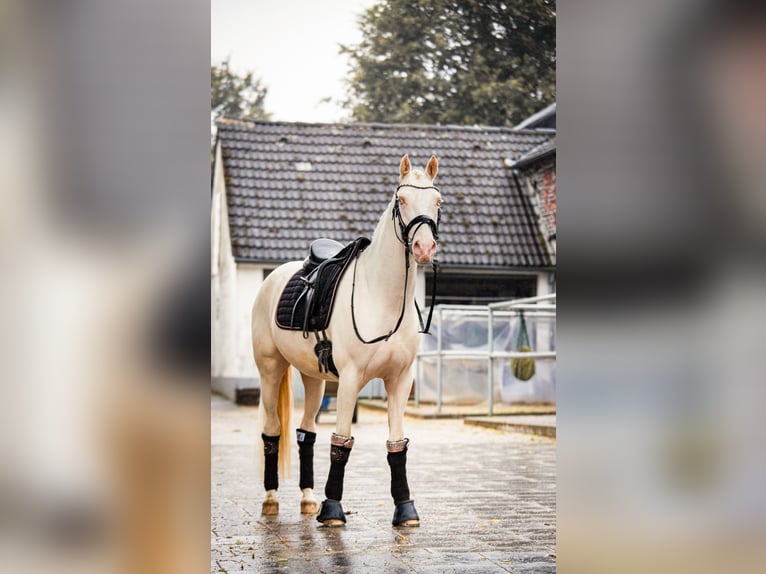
x=406, y=232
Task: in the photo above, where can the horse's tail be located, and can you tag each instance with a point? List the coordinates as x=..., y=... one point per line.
x=285, y=413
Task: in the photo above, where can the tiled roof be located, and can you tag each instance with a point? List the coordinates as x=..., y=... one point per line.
x=289, y=183
x=545, y=149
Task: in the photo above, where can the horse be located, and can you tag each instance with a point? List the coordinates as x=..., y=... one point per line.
x=367, y=342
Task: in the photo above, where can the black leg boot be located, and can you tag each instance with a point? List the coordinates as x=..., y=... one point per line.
x=331, y=513
x=270, y=473
x=404, y=513
x=306, y=440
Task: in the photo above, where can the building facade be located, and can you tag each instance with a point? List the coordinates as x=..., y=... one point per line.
x=278, y=185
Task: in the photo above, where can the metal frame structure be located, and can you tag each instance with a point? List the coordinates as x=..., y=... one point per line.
x=544, y=305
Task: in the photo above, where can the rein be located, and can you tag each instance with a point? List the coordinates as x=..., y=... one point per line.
x=404, y=238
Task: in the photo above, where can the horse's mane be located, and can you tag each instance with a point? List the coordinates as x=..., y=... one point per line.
x=383, y=219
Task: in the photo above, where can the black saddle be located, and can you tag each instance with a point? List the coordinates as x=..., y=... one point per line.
x=320, y=251
x=307, y=299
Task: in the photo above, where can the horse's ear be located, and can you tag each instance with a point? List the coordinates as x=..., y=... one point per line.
x=404, y=166
x=432, y=167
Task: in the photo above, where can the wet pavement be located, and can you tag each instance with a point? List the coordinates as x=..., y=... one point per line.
x=486, y=499
x=543, y=425
x=447, y=411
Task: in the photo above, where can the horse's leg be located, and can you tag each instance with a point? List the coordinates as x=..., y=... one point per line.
x=306, y=438
x=398, y=393
x=271, y=372
x=331, y=513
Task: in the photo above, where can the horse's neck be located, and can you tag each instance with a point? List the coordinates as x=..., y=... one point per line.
x=383, y=264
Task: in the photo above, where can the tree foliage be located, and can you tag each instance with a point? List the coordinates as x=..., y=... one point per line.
x=234, y=95
x=453, y=61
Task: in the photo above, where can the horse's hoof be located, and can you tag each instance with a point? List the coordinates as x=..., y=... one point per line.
x=331, y=513
x=309, y=507
x=405, y=514
x=270, y=508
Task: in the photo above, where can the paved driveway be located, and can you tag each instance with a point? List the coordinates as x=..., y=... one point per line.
x=486, y=499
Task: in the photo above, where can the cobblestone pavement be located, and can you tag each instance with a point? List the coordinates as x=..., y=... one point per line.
x=486, y=499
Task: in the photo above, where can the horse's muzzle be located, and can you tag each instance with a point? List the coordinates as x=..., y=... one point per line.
x=424, y=250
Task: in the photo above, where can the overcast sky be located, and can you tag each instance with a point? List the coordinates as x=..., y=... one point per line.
x=292, y=45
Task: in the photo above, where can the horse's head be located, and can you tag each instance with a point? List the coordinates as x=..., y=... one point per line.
x=418, y=206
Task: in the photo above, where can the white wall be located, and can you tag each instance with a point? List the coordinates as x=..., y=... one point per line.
x=233, y=289
x=222, y=278
x=249, y=281
x=223, y=298
x=232, y=347
x=544, y=285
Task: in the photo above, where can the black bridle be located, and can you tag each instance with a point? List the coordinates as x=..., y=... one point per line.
x=405, y=236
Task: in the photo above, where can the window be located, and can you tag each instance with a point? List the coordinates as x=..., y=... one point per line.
x=479, y=288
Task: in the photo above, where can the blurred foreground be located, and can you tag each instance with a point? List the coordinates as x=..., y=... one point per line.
x=105, y=342
x=662, y=242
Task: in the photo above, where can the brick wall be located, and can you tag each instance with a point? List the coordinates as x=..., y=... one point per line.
x=548, y=193
x=541, y=185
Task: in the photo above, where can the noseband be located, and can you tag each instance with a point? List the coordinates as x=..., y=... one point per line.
x=405, y=237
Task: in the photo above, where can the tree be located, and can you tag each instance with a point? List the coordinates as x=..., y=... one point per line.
x=453, y=61
x=236, y=96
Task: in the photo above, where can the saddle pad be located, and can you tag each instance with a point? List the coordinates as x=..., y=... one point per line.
x=292, y=306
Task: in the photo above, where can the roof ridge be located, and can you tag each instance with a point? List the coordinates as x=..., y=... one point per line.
x=446, y=127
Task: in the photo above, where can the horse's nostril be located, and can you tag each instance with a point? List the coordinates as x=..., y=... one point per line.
x=421, y=248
